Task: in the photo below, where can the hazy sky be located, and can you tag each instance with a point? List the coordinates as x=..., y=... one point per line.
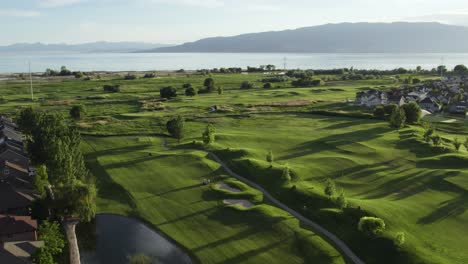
x=176, y=21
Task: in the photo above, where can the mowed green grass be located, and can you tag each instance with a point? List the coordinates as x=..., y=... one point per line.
x=137, y=177
x=391, y=174
x=387, y=173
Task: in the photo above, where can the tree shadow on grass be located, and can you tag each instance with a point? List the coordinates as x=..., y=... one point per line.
x=187, y=216
x=238, y=236
x=332, y=142
x=242, y=258
x=170, y=191
x=130, y=162
x=451, y=208
x=414, y=145
x=107, y=187
x=412, y=184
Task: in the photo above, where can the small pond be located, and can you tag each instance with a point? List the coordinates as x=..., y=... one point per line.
x=118, y=238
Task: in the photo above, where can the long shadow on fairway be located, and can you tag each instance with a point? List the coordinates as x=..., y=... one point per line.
x=332, y=142
x=410, y=142
x=241, y=258
x=107, y=187
x=131, y=162
x=187, y=216
x=238, y=236
x=451, y=208
x=171, y=191
x=408, y=185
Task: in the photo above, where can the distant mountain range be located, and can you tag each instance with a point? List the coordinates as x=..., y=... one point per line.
x=85, y=47
x=400, y=37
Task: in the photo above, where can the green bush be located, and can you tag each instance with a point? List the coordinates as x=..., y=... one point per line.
x=168, y=92
x=112, y=88
x=399, y=239
x=247, y=85
x=412, y=112
x=371, y=225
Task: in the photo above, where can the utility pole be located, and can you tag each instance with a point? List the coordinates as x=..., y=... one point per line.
x=30, y=82
x=285, y=63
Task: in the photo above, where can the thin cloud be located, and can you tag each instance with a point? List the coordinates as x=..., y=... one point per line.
x=58, y=3
x=18, y=13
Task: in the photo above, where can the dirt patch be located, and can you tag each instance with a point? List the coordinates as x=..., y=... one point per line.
x=92, y=124
x=227, y=187
x=242, y=203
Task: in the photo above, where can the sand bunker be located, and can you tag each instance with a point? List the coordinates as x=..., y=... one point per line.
x=242, y=203
x=227, y=187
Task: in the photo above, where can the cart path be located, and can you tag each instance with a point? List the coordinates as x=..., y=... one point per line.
x=338, y=243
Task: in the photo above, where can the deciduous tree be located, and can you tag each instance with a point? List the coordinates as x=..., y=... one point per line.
x=270, y=158
x=208, y=135
x=176, y=127
x=398, y=118
x=436, y=140
x=41, y=180
x=286, y=175
x=330, y=188
x=341, y=200
x=456, y=144
x=168, y=92
x=77, y=112
x=209, y=84
x=412, y=112
x=371, y=225
x=53, y=242
x=399, y=239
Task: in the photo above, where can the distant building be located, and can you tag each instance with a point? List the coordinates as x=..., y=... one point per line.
x=430, y=104
x=458, y=108
x=371, y=98
x=398, y=100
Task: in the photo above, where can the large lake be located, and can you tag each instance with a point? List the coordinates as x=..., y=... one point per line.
x=13, y=63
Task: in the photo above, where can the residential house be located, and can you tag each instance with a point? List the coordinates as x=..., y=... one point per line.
x=13, y=155
x=13, y=201
x=430, y=104
x=19, y=251
x=458, y=107
x=415, y=96
x=398, y=100
x=9, y=133
x=17, y=228
x=14, y=174
x=371, y=98
x=8, y=122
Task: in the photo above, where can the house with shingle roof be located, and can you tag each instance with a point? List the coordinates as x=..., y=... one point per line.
x=17, y=228
x=14, y=201
x=11, y=154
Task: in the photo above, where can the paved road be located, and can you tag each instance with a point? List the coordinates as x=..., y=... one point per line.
x=338, y=243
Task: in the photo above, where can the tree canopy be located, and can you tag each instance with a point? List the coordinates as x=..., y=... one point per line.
x=168, y=92
x=175, y=127
x=371, y=225
x=54, y=146
x=77, y=112
x=398, y=118
x=412, y=112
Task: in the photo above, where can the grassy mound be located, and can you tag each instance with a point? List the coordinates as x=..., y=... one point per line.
x=137, y=177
